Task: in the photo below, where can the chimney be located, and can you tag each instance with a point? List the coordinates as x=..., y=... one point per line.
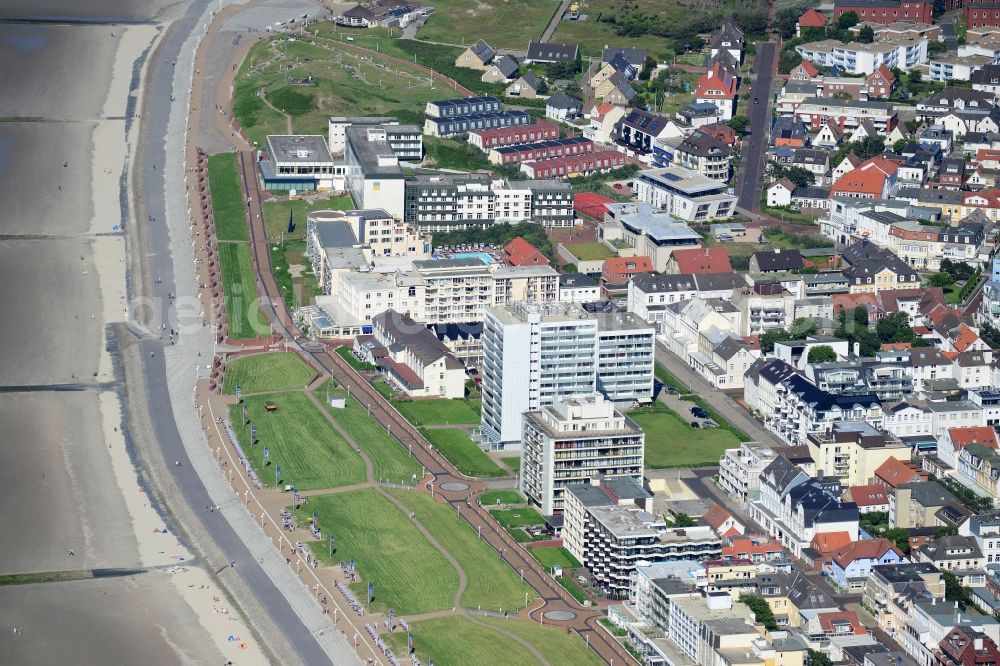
x=978, y=644
x=857, y=349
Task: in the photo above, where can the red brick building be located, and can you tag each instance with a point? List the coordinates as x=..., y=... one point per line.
x=578, y=165
x=982, y=13
x=511, y=136
x=884, y=12
x=541, y=150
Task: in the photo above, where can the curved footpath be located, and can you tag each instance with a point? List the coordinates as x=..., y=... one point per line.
x=163, y=265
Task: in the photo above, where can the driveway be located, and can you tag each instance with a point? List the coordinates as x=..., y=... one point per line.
x=749, y=186
x=719, y=401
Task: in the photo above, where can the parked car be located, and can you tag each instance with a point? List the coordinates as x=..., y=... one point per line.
x=699, y=412
x=709, y=424
x=694, y=424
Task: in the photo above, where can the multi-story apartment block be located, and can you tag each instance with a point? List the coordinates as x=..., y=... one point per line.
x=904, y=53
x=685, y=194
x=793, y=508
x=533, y=353
x=852, y=452
x=649, y=294
x=890, y=589
x=541, y=150
x=985, y=528
x=510, y=136
x=652, y=233
x=611, y=536
x=571, y=441
x=406, y=141
x=846, y=114
x=739, y=470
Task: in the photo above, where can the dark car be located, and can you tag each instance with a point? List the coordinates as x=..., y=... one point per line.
x=694, y=424
x=755, y=100
x=699, y=412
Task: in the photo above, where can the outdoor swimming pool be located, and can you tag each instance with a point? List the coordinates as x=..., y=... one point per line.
x=481, y=256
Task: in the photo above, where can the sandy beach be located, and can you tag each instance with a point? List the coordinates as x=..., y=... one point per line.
x=74, y=498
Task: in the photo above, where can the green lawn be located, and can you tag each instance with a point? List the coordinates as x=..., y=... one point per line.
x=456, y=640
x=346, y=354
x=409, y=574
x=492, y=584
x=509, y=23
x=494, y=497
x=437, y=411
x=390, y=460
x=573, y=588
x=312, y=454
x=554, y=643
x=589, y=251
x=276, y=214
x=267, y=372
x=554, y=557
x=240, y=289
x=672, y=442
x=517, y=517
x=344, y=85
x=383, y=389
x=227, y=197
x=514, y=462
x=462, y=452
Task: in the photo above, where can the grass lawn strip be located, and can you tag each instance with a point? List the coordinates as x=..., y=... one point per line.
x=514, y=462
x=456, y=640
x=510, y=23
x=409, y=574
x=492, y=584
x=518, y=517
x=312, y=454
x=346, y=354
x=462, y=452
x=240, y=290
x=389, y=459
x=227, y=198
x=276, y=214
x=492, y=498
x=554, y=643
x=672, y=442
x=554, y=557
x=589, y=251
x=437, y=411
x=267, y=372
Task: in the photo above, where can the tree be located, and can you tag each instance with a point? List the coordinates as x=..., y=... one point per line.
x=739, y=122
x=768, y=339
x=847, y=20
x=899, y=536
x=895, y=327
x=788, y=61
x=817, y=658
x=936, y=48
x=943, y=280
x=822, y=354
x=899, y=145
x=802, y=327
x=647, y=69
x=786, y=21
x=914, y=76
x=957, y=269
x=762, y=612
x=866, y=35
x=869, y=147
x=683, y=520
x=946, y=530
x=955, y=591
x=800, y=176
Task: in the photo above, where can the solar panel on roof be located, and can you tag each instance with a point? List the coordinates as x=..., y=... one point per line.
x=671, y=176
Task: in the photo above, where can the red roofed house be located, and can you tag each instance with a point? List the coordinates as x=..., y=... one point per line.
x=872, y=179
x=880, y=82
x=849, y=567
x=617, y=271
x=804, y=71
x=722, y=522
x=752, y=549
x=872, y=497
x=884, y=13
x=953, y=440
x=964, y=646
x=699, y=261
x=811, y=19
x=836, y=623
x=520, y=252
x=962, y=339
x=718, y=86
x=894, y=473
x=823, y=546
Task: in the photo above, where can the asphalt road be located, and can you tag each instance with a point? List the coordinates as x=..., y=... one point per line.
x=947, y=23
x=752, y=156
x=159, y=261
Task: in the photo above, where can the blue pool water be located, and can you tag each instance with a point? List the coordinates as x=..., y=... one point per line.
x=481, y=256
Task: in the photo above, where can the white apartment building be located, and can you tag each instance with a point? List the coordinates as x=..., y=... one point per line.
x=649, y=294
x=739, y=470
x=653, y=234
x=685, y=194
x=406, y=141
x=860, y=58
x=573, y=440
x=533, y=353
x=701, y=628
x=385, y=235
x=985, y=528
x=955, y=67
x=611, y=536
